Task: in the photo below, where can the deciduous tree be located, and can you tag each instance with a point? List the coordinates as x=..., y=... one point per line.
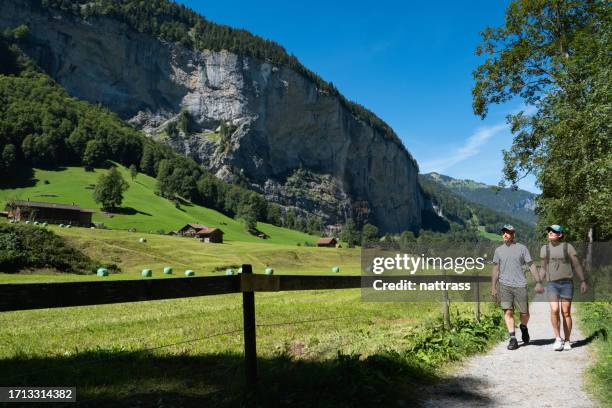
x=556, y=56
x=109, y=189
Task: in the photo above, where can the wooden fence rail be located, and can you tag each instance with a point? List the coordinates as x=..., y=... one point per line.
x=27, y=296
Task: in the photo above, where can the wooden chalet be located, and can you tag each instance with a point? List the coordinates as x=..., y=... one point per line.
x=190, y=230
x=204, y=233
x=49, y=212
x=214, y=235
x=327, y=242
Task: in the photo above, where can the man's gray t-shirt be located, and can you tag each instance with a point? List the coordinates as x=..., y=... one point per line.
x=511, y=259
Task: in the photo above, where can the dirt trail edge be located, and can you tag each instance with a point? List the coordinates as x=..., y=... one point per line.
x=532, y=376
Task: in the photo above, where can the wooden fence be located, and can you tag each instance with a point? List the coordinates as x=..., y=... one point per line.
x=64, y=294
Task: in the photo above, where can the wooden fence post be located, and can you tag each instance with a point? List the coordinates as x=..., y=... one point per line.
x=250, y=349
x=446, y=307
x=477, y=311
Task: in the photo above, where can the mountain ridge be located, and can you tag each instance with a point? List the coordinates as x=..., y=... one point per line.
x=519, y=203
x=277, y=120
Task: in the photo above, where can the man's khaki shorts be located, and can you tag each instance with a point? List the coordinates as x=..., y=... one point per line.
x=510, y=295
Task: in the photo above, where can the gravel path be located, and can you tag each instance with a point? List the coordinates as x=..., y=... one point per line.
x=532, y=376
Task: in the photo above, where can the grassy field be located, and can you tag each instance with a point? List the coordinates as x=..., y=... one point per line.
x=489, y=235
x=323, y=346
x=326, y=346
x=124, y=249
x=596, y=321
x=142, y=209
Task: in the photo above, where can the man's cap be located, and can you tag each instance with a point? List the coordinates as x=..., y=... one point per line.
x=508, y=227
x=556, y=228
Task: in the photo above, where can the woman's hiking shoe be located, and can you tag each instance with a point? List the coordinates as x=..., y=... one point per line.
x=524, y=334
x=512, y=344
x=558, y=346
x=567, y=346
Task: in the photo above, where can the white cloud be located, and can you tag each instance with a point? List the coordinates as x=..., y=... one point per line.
x=470, y=148
x=526, y=109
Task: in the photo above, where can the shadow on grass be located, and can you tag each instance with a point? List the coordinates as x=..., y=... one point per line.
x=575, y=344
x=21, y=177
x=129, y=211
x=184, y=202
x=603, y=333
x=147, y=379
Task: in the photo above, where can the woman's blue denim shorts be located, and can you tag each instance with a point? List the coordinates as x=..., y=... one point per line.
x=563, y=288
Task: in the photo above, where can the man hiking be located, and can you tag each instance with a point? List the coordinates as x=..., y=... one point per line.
x=558, y=258
x=508, y=280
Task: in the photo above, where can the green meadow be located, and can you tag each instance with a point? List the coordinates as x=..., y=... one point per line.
x=124, y=249
x=143, y=210
x=325, y=344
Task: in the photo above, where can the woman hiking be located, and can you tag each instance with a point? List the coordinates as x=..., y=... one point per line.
x=559, y=261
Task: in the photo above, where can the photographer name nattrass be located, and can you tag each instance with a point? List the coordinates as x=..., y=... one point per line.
x=407, y=285
x=411, y=264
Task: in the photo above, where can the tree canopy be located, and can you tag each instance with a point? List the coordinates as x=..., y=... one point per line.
x=109, y=189
x=556, y=56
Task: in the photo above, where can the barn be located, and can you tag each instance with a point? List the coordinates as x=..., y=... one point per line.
x=214, y=235
x=190, y=230
x=49, y=212
x=327, y=242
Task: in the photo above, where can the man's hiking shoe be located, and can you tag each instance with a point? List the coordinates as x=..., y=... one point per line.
x=558, y=346
x=512, y=344
x=567, y=346
x=524, y=334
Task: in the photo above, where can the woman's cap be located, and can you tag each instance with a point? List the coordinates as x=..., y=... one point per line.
x=555, y=228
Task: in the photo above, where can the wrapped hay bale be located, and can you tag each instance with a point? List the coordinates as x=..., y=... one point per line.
x=168, y=270
x=189, y=272
x=142, y=240
x=147, y=273
x=336, y=269
x=269, y=271
x=229, y=271
x=102, y=272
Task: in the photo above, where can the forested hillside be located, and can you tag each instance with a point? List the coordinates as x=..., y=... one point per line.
x=457, y=210
x=518, y=203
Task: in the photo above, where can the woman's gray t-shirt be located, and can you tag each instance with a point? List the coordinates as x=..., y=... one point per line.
x=511, y=259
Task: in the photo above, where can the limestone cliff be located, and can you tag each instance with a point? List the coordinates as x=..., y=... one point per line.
x=278, y=121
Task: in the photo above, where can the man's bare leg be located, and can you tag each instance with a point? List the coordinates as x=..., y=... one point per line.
x=509, y=318
x=525, y=318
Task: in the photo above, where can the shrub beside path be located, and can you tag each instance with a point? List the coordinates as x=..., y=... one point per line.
x=532, y=376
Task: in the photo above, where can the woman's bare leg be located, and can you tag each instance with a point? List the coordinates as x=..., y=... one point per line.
x=554, y=318
x=566, y=308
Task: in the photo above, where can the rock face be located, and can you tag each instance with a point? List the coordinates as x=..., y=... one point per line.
x=275, y=120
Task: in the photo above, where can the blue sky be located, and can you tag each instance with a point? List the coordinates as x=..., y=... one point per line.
x=410, y=63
